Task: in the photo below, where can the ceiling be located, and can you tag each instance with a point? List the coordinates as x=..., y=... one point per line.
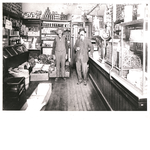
x=85, y=7
x=66, y=8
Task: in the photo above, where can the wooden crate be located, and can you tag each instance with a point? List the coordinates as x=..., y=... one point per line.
x=39, y=77
x=53, y=73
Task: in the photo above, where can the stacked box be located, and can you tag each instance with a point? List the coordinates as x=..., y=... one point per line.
x=57, y=17
x=47, y=14
x=39, y=76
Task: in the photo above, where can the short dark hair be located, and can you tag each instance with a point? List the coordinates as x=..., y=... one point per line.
x=81, y=29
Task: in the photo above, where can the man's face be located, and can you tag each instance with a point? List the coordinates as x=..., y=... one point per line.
x=59, y=33
x=82, y=35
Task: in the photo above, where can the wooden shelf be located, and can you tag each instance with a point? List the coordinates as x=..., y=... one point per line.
x=31, y=20
x=5, y=36
x=47, y=33
x=14, y=35
x=23, y=35
x=47, y=46
x=47, y=40
x=30, y=49
x=133, y=23
x=55, y=20
x=49, y=27
x=33, y=35
x=137, y=41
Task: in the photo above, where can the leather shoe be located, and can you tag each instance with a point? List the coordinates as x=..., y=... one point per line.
x=79, y=82
x=85, y=83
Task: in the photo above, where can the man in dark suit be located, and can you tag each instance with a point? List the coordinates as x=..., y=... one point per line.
x=81, y=47
x=60, y=51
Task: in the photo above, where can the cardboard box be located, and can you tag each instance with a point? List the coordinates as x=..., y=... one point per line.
x=39, y=98
x=39, y=76
x=37, y=67
x=67, y=74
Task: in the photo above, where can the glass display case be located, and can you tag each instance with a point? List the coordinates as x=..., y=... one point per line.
x=126, y=53
x=134, y=53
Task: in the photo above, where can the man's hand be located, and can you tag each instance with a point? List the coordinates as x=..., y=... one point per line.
x=91, y=55
x=78, y=48
x=66, y=56
x=54, y=57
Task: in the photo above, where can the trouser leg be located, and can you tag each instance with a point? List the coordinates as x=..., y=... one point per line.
x=62, y=61
x=57, y=64
x=78, y=68
x=84, y=70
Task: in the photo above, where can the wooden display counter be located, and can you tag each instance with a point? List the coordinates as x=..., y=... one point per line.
x=117, y=93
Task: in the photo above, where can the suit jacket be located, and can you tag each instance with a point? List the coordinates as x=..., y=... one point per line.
x=84, y=49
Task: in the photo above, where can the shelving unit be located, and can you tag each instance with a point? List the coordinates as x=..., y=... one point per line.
x=12, y=12
x=33, y=23
x=48, y=33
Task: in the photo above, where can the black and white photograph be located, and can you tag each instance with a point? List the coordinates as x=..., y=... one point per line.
x=75, y=65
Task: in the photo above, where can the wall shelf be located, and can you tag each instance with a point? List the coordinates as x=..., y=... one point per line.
x=133, y=23
x=56, y=20
x=47, y=46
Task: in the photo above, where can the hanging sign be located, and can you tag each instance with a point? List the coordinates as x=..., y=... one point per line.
x=8, y=25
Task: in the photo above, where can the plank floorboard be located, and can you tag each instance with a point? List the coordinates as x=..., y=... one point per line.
x=88, y=93
x=72, y=89
x=86, y=98
x=68, y=96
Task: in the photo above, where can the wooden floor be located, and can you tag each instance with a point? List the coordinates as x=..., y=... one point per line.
x=68, y=96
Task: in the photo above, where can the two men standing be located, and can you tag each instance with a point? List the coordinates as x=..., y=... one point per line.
x=81, y=47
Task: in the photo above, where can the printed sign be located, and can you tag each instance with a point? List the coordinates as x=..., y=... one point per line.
x=8, y=25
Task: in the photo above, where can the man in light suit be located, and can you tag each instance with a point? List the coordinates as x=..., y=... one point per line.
x=60, y=51
x=81, y=47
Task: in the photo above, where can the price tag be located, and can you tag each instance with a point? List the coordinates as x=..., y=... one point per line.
x=8, y=25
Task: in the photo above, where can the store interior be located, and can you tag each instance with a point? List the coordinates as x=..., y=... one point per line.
x=117, y=71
